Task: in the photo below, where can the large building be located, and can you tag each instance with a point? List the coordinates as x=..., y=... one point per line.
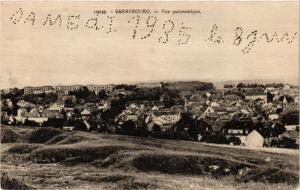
x=65, y=89
x=39, y=90
x=99, y=88
x=149, y=85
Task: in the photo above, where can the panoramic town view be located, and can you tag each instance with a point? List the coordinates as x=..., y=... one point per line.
x=243, y=132
x=149, y=95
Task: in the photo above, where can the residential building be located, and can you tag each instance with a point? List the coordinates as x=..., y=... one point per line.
x=273, y=117
x=24, y=104
x=39, y=90
x=56, y=107
x=291, y=127
x=255, y=94
x=98, y=88
x=149, y=85
x=65, y=89
x=254, y=139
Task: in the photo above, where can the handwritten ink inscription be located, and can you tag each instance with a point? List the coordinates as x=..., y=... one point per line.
x=145, y=22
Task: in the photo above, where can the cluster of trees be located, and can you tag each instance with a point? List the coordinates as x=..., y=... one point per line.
x=13, y=93
x=229, y=85
x=125, y=87
x=147, y=94
x=88, y=96
x=238, y=92
x=254, y=85
x=190, y=85
x=41, y=99
x=275, y=85
x=11, y=110
x=284, y=142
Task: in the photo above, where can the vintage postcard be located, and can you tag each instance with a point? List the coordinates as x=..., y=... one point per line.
x=162, y=95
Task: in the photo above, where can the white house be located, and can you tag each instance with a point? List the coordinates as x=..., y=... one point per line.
x=291, y=127
x=85, y=112
x=39, y=120
x=103, y=106
x=56, y=107
x=21, y=113
x=23, y=104
x=169, y=118
x=263, y=97
x=214, y=104
x=273, y=117
x=68, y=128
x=254, y=139
x=207, y=112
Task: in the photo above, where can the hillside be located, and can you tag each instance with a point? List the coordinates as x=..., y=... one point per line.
x=80, y=160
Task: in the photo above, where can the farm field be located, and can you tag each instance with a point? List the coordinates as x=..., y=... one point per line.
x=47, y=158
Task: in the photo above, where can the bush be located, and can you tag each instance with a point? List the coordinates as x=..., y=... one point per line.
x=163, y=135
x=234, y=140
x=31, y=123
x=270, y=176
x=73, y=155
x=11, y=183
x=80, y=126
x=42, y=135
x=286, y=142
x=58, y=138
x=73, y=139
x=9, y=136
x=54, y=122
x=23, y=148
x=130, y=128
x=181, y=135
x=106, y=128
x=185, y=164
x=217, y=138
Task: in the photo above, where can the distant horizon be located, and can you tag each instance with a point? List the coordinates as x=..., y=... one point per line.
x=222, y=82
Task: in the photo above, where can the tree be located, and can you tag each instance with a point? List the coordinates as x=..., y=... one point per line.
x=286, y=142
x=235, y=140
x=117, y=106
x=69, y=103
x=30, y=123
x=185, y=121
x=15, y=106
x=240, y=85
x=54, y=122
x=194, y=131
x=279, y=128
x=269, y=97
x=125, y=87
x=128, y=127
x=156, y=128
x=217, y=138
x=81, y=93
x=91, y=98
x=228, y=86
x=102, y=94
x=80, y=126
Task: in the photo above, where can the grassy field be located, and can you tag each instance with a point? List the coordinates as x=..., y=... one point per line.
x=53, y=159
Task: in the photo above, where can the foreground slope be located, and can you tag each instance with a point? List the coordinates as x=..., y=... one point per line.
x=79, y=160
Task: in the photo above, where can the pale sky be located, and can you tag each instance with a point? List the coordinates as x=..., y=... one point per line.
x=35, y=55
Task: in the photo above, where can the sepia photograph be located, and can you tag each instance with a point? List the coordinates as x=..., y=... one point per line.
x=149, y=95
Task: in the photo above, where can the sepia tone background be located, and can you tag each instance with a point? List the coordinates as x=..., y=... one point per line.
x=49, y=55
